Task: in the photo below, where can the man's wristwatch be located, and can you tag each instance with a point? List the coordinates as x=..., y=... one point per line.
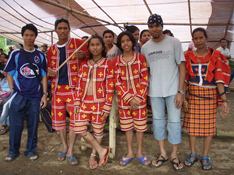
x=181, y=92
x=45, y=93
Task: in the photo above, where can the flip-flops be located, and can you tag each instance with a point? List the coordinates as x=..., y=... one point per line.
x=143, y=159
x=32, y=154
x=4, y=130
x=62, y=155
x=206, y=164
x=105, y=158
x=92, y=164
x=191, y=162
x=126, y=160
x=159, y=160
x=11, y=158
x=177, y=164
x=72, y=159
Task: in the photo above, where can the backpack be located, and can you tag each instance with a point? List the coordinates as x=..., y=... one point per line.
x=45, y=114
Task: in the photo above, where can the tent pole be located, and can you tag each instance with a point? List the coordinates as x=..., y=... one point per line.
x=67, y=14
x=52, y=42
x=190, y=20
x=74, y=11
x=146, y=4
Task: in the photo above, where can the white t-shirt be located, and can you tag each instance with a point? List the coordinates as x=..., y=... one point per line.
x=225, y=52
x=111, y=54
x=163, y=59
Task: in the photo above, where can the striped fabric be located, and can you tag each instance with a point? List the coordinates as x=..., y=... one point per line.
x=90, y=111
x=201, y=118
x=129, y=124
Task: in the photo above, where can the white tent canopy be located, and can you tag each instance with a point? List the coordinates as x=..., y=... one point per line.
x=88, y=17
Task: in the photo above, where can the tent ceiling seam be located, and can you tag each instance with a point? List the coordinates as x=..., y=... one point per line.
x=107, y=14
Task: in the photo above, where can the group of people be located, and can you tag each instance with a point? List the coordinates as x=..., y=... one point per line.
x=86, y=85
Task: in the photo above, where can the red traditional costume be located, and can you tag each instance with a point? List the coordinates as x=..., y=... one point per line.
x=91, y=106
x=62, y=94
x=135, y=74
x=201, y=77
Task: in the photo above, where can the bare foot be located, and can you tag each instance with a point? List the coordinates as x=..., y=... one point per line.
x=130, y=156
x=188, y=163
x=208, y=167
x=104, y=156
x=176, y=166
x=147, y=162
x=92, y=162
x=159, y=161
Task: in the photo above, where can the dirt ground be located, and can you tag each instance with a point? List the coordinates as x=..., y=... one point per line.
x=49, y=147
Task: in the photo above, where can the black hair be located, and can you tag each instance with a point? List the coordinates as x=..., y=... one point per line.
x=167, y=31
x=103, y=45
x=199, y=29
x=131, y=29
x=145, y=30
x=1, y=49
x=222, y=40
x=59, y=20
x=6, y=56
x=84, y=37
x=108, y=31
x=130, y=37
x=29, y=27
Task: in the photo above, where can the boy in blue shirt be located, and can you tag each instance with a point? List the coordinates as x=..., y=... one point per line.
x=27, y=98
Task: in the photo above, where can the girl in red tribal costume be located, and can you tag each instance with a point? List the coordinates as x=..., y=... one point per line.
x=207, y=72
x=93, y=98
x=131, y=82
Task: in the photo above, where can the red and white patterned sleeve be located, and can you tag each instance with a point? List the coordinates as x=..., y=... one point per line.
x=109, y=87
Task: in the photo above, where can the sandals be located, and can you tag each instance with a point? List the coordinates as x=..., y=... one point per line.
x=188, y=160
x=206, y=164
x=11, y=157
x=126, y=160
x=32, y=154
x=62, y=155
x=177, y=164
x=105, y=158
x=143, y=159
x=92, y=165
x=157, y=160
x=4, y=130
x=72, y=159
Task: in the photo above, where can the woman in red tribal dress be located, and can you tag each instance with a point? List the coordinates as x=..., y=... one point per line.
x=207, y=72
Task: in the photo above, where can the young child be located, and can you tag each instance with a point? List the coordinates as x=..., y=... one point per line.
x=131, y=82
x=93, y=98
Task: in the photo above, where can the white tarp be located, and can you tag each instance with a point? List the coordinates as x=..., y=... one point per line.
x=214, y=15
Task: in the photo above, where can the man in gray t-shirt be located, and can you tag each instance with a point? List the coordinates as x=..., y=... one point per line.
x=166, y=64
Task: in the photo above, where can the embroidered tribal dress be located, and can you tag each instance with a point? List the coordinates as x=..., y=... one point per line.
x=135, y=74
x=201, y=77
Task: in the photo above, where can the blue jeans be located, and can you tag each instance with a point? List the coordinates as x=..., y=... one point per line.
x=19, y=108
x=160, y=120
